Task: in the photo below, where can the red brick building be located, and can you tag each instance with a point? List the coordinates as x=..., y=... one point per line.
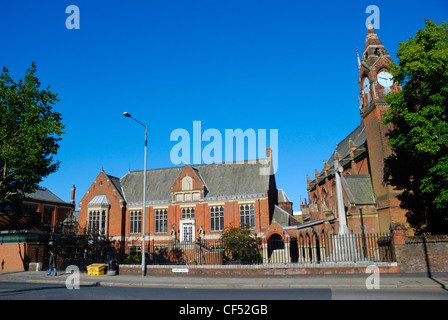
x=361, y=155
x=183, y=203
x=22, y=228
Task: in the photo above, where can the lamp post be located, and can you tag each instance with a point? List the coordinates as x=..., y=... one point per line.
x=144, y=194
x=363, y=235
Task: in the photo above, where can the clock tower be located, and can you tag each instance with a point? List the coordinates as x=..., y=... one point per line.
x=375, y=82
x=374, y=79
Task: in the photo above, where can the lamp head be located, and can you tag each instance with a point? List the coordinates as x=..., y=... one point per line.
x=126, y=114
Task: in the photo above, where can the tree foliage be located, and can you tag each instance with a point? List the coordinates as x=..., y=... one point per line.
x=239, y=244
x=419, y=136
x=29, y=134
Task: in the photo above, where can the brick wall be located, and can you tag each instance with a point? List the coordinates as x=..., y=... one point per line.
x=255, y=270
x=423, y=254
x=103, y=186
x=11, y=255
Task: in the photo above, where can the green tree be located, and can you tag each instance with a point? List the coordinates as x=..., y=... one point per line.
x=419, y=136
x=29, y=132
x=240, y=245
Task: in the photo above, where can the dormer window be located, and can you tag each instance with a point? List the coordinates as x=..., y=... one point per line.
x=188, y=187
x=187, y=194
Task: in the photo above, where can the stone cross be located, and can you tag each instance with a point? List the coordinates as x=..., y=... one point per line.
x=343, y=229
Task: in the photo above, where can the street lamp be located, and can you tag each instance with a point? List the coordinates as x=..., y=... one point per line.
x=363, y=235
x=144, y=194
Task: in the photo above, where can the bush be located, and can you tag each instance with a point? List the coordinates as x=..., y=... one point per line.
x=132, y=259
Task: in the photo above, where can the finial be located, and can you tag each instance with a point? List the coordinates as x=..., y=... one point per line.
x=359, y=61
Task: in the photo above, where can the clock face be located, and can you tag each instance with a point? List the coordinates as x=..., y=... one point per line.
x=366, y=85
x=385, y=79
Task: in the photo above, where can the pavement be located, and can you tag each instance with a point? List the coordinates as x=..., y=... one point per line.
x=416, y=281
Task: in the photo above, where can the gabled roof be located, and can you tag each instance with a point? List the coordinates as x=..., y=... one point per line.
x=222, y=180
x=282, y=197
x=283, y=218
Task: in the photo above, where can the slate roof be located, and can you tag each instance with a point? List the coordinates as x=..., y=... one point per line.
x=282, y=197
x=222, y=180
x=43, y=194
x=358, y=137
x=358, y=189
x=158, y=184
x=283, y=218
x=99, y=200
x=116, y=183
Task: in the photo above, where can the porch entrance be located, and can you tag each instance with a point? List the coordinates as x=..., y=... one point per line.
x=277, y=249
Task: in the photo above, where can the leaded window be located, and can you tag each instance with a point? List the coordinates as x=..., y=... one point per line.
x=187, y=213
x=217, y=218
x=161, y=220
x=247, y=215
x=135, y=223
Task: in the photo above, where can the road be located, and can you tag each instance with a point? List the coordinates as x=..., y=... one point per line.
x=182, y=303
x=34, y=291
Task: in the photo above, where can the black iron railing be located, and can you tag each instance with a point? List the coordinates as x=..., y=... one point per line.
x=302, y=250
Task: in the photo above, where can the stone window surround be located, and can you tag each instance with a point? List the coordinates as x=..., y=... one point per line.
x=99, y=208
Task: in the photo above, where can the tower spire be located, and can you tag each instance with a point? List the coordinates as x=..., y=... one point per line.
x=374, y=48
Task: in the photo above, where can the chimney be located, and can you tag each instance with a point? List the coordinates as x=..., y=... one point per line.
x=269, y=152
x=72, y=201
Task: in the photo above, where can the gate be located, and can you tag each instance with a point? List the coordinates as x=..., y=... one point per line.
x=78, y=250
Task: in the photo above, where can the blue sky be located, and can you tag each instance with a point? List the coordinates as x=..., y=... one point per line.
x=248, y=64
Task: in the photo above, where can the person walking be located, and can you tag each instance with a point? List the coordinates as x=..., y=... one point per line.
x=52, y=264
